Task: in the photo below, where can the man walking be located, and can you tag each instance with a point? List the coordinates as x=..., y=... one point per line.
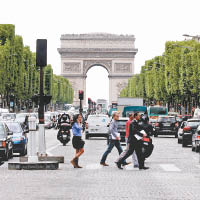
x=134, y=143
x=134, y=156
x=114, y=140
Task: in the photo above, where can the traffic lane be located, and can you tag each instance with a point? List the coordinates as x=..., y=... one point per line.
x=97, y=182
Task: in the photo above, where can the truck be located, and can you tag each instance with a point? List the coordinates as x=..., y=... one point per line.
x=124, y=102
x=102, y=106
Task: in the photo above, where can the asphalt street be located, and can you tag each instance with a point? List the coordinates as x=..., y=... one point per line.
x=174, y=174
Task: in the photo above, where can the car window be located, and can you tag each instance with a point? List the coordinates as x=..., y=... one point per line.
x=14, y=127
x=167, y=119
x=122, y=123
x=193, y=123
x=99, y=119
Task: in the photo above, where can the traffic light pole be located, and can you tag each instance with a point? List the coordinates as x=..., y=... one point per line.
x=81, y=107
x=41, y=104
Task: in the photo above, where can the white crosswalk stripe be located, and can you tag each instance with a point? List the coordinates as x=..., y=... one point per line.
x=170, y=168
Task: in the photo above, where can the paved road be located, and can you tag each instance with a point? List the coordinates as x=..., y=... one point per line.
x=174, y=174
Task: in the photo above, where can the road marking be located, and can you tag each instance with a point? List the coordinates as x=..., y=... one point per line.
x=94, y=166
x=170, y=168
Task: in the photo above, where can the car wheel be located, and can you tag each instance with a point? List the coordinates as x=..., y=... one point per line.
x=197, y=149
x=184, y=144
x=87, y=137
x=179, y=141
x=176, y=135
x=155, y=134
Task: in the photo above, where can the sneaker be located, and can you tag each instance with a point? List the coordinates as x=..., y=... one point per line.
x=104, y=164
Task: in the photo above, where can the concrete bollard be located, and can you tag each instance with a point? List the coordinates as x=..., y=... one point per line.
x=32, y=154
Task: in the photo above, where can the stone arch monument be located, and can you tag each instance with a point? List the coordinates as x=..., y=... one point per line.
x=80, y=52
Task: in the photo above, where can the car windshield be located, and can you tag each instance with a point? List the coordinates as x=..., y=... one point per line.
x=98, y=119
x=158, y=110
x=14, y=127
x=122, y=123
x=8, y=116
x=193, y=123
x=167, y=119
x=2, y=133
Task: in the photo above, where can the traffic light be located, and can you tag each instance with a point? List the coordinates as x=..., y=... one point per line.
x=81, y=94
x=89, y=101
x=41, y=53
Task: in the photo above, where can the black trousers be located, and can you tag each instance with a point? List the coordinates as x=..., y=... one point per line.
x=133, y=146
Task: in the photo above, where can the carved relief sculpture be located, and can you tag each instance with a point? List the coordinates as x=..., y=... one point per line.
x=72, y=67
x=120, y=86
x=122, y=67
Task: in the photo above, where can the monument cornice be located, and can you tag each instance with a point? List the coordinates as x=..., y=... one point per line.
x=91, y=50
x=98, y=36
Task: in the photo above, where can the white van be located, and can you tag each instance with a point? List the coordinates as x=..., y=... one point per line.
x=97, y=126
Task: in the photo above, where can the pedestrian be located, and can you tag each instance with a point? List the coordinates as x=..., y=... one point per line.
x=114, y=139
x=134, y=143
x=134, y=156
x=77, y=141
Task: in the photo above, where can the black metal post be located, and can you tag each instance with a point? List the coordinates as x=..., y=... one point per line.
x=41, y=104
x=81, y=107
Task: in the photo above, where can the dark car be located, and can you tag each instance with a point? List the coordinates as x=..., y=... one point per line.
x=6, y=144
x=166, y=125
x=19, y=138
x=189, y=130
x=196, y=140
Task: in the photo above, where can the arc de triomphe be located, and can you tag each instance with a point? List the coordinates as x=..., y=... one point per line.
x=80, y=52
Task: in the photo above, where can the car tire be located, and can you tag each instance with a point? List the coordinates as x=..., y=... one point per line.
x=184, y=144
x=197, y=149
x=87, y=136
x=176, y=135
x=155, y=134
x=179, y=141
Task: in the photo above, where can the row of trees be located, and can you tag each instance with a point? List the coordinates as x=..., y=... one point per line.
x=19, y=76
x=173, y=78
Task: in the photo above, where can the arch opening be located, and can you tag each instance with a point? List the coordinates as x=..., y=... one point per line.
x=97, y=83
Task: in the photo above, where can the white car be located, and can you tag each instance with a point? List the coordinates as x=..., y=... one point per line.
x=97, y=126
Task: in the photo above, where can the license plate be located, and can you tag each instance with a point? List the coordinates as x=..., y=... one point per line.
x=145, y=143
x=167, y=124
x=64, y=136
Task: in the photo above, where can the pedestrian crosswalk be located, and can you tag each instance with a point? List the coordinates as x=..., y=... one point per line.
x=170, y=168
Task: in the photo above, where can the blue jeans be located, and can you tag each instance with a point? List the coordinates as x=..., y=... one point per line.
x=112, y=143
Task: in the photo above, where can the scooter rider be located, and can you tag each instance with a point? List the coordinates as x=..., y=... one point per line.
x=65, y=118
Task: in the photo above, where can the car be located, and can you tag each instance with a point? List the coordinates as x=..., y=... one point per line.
x=189, y=130
x=122, y=128
x=180, y=132
x=8, y=116
x=19, y=139
x=47, y=121
x=97, y=126
x=196, y=140
x=166, y=125
x=6, y=144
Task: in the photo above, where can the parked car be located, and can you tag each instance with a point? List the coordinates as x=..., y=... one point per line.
x=122, y=128
x=19, y=138
x=166, y=125
x=196, y=140
x=97, y=126
x=6, y=144
x=180, y=132
x=188, y=130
